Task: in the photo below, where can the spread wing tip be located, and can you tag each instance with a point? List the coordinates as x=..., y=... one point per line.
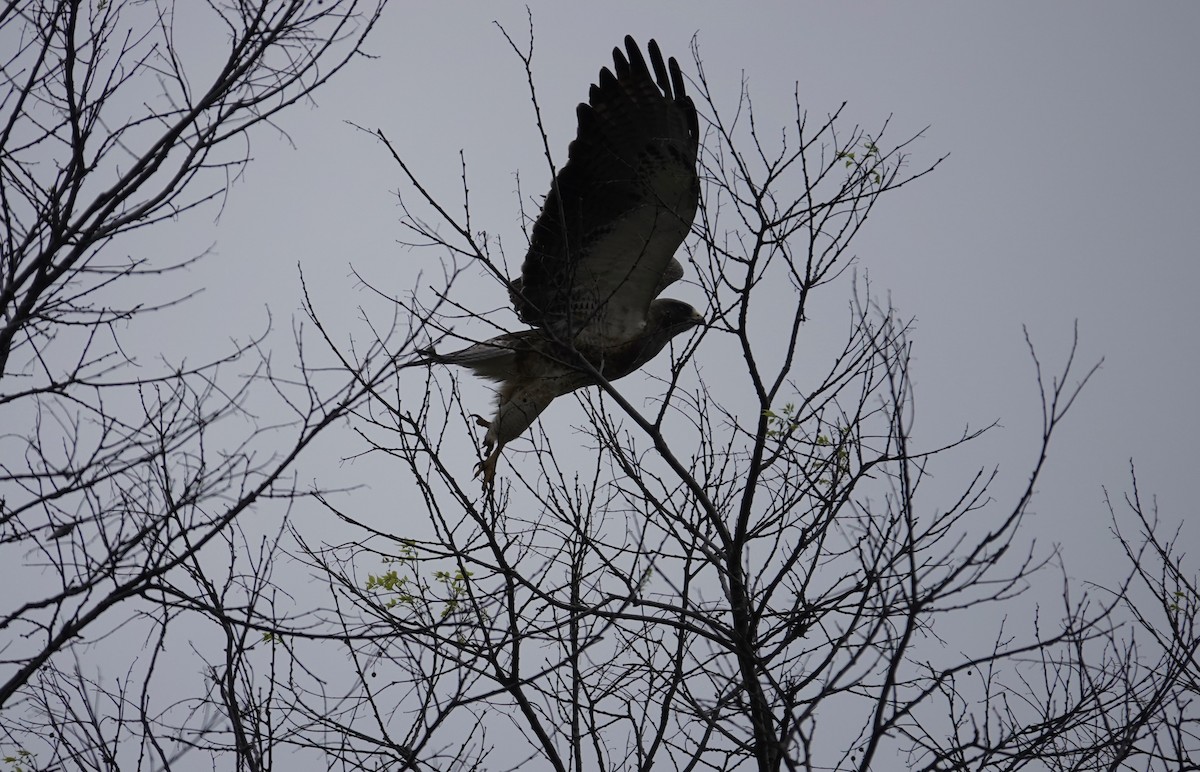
x=666, y=72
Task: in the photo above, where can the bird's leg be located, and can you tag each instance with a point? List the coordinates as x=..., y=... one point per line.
x=487, y=467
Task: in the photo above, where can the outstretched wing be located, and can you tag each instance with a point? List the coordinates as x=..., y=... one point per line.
x=603, y=246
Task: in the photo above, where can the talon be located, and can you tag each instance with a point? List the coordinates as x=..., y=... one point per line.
x=486, y=468
x=486, y=424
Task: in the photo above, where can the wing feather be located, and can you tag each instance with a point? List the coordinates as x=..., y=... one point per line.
x=620, y=207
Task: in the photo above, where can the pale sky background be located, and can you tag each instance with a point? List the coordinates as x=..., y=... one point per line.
x=1070, y=194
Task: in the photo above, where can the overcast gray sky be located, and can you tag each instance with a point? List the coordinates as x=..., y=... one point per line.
x=1070, y=194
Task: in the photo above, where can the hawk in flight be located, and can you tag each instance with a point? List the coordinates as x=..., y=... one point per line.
x=601, y=251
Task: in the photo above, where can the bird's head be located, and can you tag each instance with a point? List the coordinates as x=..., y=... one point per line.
x=667, y=318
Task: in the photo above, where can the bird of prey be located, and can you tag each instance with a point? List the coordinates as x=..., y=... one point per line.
x=601, y=251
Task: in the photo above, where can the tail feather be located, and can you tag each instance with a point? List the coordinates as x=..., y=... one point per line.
x=493, y=359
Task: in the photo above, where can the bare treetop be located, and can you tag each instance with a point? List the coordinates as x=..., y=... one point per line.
x=109, y=126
